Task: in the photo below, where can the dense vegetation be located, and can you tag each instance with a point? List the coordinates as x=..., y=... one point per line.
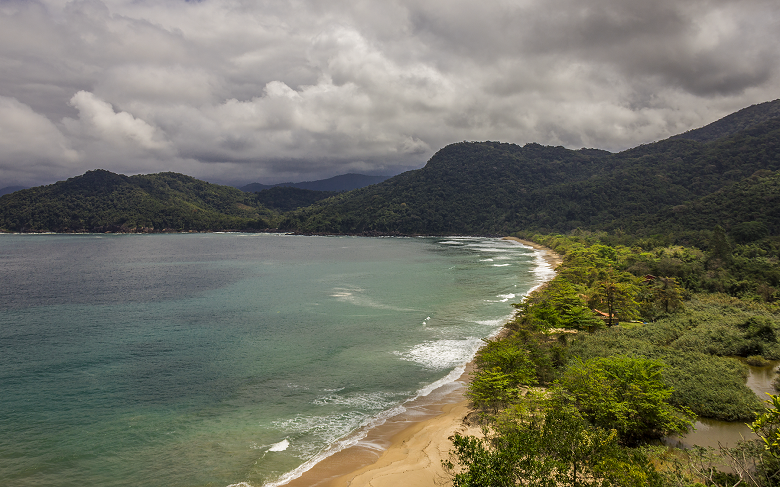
x=466, y=188
x=284, y=198
x=569, y=398
x=496, y=188
x=101, y=201
x=727, y=173
x=736, y=122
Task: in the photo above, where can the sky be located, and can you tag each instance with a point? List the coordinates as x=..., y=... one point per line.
x=239, y=91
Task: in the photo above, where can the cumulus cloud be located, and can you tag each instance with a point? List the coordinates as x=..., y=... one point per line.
x=98, y=119
x=240, y=90
x=30, y=144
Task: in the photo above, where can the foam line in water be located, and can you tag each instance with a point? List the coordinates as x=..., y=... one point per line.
x=496, y=323
x=365, y=401
x=357, y=437
x=543, y=272
x=442, y=354
x=349, y=441
x=357, y=297
x=281, y=446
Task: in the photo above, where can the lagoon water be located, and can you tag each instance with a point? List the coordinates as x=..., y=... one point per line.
x=223, y=359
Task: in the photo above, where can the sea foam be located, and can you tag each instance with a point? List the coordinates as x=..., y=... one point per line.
x=442, y=354
x=281, y=446
x=362, y=430
x=436, y=355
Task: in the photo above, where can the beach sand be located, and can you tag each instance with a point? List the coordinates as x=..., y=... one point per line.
x=551, y=257
x=408, y=450
x=405, y=451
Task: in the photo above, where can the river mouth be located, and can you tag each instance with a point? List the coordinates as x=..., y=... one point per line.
x=715, y=433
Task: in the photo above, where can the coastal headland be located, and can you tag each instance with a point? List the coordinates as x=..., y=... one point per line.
x=409, y=448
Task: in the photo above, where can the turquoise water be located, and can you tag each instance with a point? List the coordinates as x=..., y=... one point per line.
x=217, y=359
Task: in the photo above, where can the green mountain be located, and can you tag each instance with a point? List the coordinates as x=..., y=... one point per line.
x=736, y=122
x=750, y=209
x=101, y=201
x=495, y=188
x=467, y=188
x=723, y=174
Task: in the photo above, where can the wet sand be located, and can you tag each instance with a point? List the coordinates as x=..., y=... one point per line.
x=409, y=448
x=405, y=451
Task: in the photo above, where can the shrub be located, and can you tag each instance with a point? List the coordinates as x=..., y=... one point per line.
x=624, y=393
x=757, y=361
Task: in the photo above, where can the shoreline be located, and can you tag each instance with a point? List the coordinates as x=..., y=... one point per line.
x=408, y=448
x=553, y=259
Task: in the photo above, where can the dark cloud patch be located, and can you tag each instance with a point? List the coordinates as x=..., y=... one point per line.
x=308, y=89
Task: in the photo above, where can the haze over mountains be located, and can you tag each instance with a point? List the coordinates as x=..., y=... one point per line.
x=10, y=189
x=725, y=173
x=490, y=187
x=344, y=182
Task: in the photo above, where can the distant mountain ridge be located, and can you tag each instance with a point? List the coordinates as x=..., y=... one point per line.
x=736, y=122
x=101, y=201
x=724, y=174
x=285, y=198
x=11, y=189
x=496, y=188
x=344, y=182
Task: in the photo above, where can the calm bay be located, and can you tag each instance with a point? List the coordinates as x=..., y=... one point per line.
x=217, y=359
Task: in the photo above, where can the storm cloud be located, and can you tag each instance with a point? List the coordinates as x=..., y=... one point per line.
x=241, y=91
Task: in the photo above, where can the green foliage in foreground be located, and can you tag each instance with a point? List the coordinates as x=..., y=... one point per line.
x=698, y=346
x=709, y=385
x=503, y=367
x=610, y=389
x=750, y=271
x=626, y=394
x=560, y=304
x=767, y=427
x=540, y=444
x=506, y=366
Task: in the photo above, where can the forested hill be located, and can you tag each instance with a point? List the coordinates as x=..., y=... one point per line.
x=736, y=122
x=285, y=198
x=495, y=188
x=101, y=201
x=725, y=173
x=466, y=188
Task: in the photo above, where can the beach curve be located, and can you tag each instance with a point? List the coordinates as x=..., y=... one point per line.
x=408, y=449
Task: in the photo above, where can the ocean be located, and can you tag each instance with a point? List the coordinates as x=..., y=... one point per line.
x=224, y=359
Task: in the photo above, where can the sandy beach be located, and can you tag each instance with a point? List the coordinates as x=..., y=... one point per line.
x=551, y=257
x=407, y=450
